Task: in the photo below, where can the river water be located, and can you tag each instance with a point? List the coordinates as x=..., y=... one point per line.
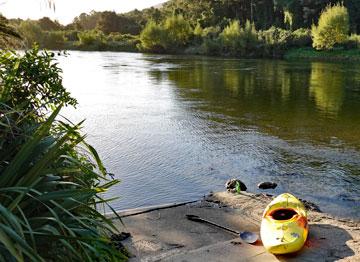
x=173, y=128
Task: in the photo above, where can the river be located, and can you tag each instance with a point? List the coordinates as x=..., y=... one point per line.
x=173, y=128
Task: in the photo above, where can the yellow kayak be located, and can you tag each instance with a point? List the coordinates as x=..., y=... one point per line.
x=284, y=226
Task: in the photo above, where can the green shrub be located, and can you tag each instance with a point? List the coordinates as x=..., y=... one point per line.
x=211, y=46
x=122, y=42
x=249, y=39
x=333, y=27
x=301, y=38
x=152, y=37
x=50, y=178
x=198, y=33
x=178, y=31
x=31, y=32
x=32, y=83
x=72, y=35
x=353, y=41
x=53, y=40
x=275, y=36
x=275, y=41
x=230, y=37
x=211, y=32
x=240, y=41
x=92, y=38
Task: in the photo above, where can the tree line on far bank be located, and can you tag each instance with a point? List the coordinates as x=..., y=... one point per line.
x=238, y=39
x=240, y=28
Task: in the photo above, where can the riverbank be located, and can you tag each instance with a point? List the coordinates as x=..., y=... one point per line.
x=306, y=53
x=165, y=234
x=351, y=55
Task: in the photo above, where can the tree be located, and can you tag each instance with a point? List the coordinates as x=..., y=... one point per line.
x=86, y=21
x=47, y=24
x=31, y=32
x=53, y=40
x=237, y=40
x=353, y=7
x=108, y=22
x=152, y=37
x=230, y=37
x=91, y=38
x=178, y=31
x=333, y=27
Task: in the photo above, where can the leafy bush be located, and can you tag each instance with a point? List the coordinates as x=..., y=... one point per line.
x=211, y=32
x=50, y=178
x=275, y=41
x=178, y=31
x=230, y=37
x=53, y=40
x=353, y=41
x=210, y=46
x=249, y=39
x=123, y=42
x=152, y=37
x=31, y=32
x=239, y=41
x=333, y=27
x=72, y=35
x=32, y=83
x=92, y=38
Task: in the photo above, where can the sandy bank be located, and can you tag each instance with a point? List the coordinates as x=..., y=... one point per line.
x=166, y=235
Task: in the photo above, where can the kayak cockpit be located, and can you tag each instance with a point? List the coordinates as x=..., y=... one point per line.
x=283, y=214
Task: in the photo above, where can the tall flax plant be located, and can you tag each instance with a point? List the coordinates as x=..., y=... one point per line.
x=50, y=178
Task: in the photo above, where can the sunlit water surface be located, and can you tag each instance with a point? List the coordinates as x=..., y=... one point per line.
x=173, y=128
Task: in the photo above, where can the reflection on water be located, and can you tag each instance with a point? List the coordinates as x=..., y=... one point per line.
x=173, y=128
x=327, y=87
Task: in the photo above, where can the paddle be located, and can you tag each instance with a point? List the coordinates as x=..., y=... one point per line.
x=248, y=237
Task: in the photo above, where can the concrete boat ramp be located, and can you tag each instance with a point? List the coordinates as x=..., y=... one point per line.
x=163, y=233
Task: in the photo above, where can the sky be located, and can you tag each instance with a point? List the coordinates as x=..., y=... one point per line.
x=66, y=10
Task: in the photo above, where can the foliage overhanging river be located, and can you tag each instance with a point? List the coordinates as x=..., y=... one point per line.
x=173, y=128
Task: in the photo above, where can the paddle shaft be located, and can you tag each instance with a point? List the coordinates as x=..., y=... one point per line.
x=198, y=219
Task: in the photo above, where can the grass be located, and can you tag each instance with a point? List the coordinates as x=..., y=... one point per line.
x=331, y=55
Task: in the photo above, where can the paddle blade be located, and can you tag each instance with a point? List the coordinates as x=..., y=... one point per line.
x=249, y=237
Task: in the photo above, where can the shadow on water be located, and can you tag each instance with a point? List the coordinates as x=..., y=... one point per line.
x=325, y=243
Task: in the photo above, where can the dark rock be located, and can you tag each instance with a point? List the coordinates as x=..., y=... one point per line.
x=311, y=206
x=267, y=185
x=231, y=185
x=120, y=237
x=290, y=174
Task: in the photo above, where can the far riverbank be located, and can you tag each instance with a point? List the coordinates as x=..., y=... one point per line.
x=303, y=53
